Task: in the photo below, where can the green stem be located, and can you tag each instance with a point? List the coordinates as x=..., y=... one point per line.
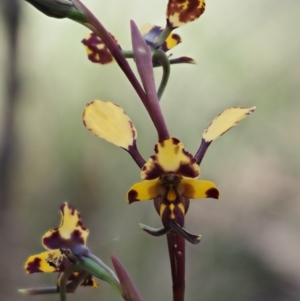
x=161, y=57
x=103, y=265
x=163, y=36
x=63, y=279
x=112, y=279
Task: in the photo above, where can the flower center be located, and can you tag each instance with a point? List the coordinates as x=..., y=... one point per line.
x=170, y=179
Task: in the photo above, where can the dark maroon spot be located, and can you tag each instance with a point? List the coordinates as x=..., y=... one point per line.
x=189, y=155
x=88, y=281
x=62, y=207
x=54, y=241
x=132, y=127
x=34, y=266
x=212, y=193
x=80, y=224
x=164, y=46
x=132, y=196
x=187, y=170
x=155, y=149
x=76, y=238
x=155, y=172
x=175, y=141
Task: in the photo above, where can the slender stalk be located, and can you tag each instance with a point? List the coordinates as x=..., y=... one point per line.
x=201, y=151
x=136, y=156
x=176, y=246
x=63, y=279
x=163, y=36
x=163, y=60
x=38, y=291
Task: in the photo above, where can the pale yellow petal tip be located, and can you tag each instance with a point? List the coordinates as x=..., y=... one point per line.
x=225, y=121
x=109, y=121
x=24, y=291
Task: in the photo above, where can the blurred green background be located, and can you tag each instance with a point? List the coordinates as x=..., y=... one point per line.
x=247, y=53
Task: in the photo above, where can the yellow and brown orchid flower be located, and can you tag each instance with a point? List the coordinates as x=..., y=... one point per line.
x=71, y=234
x=170, y=175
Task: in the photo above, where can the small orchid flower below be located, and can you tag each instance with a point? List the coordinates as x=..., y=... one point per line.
x=69, y=234
x=68, y=255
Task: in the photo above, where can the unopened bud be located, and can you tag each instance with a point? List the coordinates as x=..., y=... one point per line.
x=60, y=9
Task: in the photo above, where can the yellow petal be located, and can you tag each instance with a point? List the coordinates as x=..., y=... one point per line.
x=70, y=232
x=198, y=189
x=143, y=191
x=109, y=121
x=46, y=262
x=170, y=157
x=180, y=12
x=225, y=121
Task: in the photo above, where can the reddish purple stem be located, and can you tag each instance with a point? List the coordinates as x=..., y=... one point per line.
x=176, y=245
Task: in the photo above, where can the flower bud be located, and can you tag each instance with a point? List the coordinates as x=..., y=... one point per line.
x=60, y=9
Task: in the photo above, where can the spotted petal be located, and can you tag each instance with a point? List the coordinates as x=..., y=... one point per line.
x=180, y=12
x=109, y=121
x=70, y=232
x=144, y=191
x=96, y=50
x=46, y=262
x=170, y=156
x=198, y=189
x=225, y=121
x=151, y=32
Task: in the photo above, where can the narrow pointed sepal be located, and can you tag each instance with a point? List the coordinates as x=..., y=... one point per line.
x=109, y=121
x=155, y=232
x=181, y=12
x=192, y=238
x=129, y=290
x=38, y=291
x=225, y=121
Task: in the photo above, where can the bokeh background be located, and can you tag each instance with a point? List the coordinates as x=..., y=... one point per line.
x=247, y=53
